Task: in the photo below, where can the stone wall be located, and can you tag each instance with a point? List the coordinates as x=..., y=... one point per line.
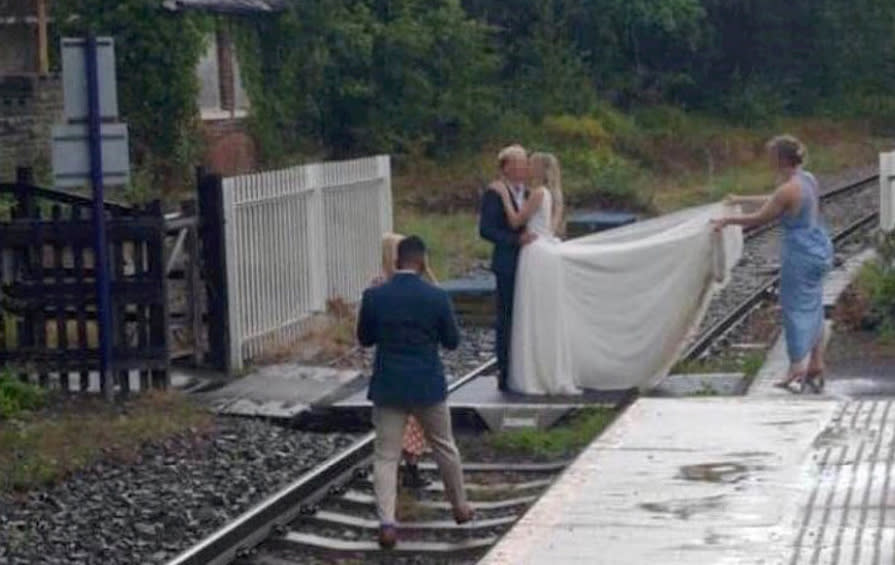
x=29, y=106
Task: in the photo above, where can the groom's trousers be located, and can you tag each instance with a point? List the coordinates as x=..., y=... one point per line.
x=506, y=287
x=436, y=423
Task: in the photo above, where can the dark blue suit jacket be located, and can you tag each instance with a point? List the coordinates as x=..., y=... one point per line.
x=494, y=227
x=407, y=319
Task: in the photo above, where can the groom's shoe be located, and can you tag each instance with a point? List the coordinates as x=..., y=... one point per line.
x=502, y=383
x=464, y=515
x=388, y=536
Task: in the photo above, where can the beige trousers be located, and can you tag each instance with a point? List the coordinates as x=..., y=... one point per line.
x=436, y=423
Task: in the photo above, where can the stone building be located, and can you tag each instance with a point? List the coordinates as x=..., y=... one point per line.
x=31, y=96
x=223, y=102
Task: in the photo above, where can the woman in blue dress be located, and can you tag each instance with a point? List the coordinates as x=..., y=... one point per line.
x=806, y=256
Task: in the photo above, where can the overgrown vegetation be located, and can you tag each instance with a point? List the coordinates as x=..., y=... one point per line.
x=17, y=397
x=870, y=305
x=749, y=364
x=156, y=56
x=45, y=446
x=560, y=441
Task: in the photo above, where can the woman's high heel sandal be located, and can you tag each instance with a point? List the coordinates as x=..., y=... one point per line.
x=815, y=380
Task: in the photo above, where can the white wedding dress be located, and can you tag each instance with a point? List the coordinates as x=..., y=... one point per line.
x=613, y=310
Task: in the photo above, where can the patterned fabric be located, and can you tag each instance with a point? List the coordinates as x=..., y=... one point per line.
x=414, y=438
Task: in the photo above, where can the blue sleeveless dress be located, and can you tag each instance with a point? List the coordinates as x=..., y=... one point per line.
x=806, y=257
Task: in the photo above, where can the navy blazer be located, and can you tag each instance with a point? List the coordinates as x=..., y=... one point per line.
x=494, y=226
x=407, y=319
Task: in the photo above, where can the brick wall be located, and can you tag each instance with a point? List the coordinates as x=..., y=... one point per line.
x=230, y=150
x=29, y=106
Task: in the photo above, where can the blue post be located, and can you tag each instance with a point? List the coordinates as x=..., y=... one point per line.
x=103, y=314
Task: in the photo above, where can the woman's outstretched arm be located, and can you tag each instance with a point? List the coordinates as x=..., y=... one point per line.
x=772, y=208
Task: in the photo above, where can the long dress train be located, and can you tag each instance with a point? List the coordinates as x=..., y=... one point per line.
x=613, y=310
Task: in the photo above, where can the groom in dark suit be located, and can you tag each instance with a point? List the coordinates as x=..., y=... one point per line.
x=494, y=226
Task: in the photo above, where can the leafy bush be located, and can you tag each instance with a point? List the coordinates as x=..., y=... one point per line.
x=877, y=282
x=156, y=56
x=16, y=396
x=575, y=129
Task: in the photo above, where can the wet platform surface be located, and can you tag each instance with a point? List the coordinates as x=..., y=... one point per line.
x=685, y=481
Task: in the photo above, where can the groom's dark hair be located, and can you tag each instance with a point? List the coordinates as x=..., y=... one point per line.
x=411, y=252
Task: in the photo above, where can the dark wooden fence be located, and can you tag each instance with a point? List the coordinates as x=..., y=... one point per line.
x=48, y=329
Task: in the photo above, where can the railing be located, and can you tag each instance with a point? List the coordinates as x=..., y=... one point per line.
x=291, y=240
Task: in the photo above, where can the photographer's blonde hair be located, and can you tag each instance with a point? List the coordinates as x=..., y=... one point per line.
x=390, y=243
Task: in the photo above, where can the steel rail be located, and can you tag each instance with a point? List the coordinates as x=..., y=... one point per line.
x=275, y=512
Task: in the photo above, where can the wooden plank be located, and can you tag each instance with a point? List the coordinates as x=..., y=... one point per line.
x=158, y=310
x=61, y=324
x=20, y=232
x=33, y=294
x=118, y=305
x=142, y=320
x=40, y=320
x=77, y=213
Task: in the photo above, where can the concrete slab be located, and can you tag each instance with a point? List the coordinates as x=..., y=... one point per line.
x=497, y=409
x=681, y=481
x=279, y=391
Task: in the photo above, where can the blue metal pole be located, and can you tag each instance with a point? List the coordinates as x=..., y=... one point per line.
x=99, y=219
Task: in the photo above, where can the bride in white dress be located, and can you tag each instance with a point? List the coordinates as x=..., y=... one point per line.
x=612, y=310
x=537, y=365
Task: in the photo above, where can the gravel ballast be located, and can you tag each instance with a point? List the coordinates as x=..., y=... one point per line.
x=174, y=494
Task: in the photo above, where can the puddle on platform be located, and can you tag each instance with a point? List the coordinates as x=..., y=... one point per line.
x=683, y=509
x=726, y=472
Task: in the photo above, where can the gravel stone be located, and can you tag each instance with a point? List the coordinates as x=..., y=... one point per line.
x=174, y=494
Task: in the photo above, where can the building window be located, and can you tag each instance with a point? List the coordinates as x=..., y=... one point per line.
x=221, y=94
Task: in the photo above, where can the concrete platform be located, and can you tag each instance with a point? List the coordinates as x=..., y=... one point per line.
x=705, y=481
x=280, y=391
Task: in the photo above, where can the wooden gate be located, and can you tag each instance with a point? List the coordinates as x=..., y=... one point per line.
x=48, y=301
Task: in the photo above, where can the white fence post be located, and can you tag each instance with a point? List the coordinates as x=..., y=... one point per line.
x=295, y=238
x=887, y=191
x=317, y=241
x=235, y=295
x=384, y=168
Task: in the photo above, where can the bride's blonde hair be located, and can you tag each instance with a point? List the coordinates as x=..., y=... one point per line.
x=552, y=181
x=390, y=243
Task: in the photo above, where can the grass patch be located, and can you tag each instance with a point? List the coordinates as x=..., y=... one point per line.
x=43, y=447
x=17, y=397
x=560, y=441
x=748, y=364
x=453, y=240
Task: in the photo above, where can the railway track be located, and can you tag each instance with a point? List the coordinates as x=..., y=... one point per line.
x=328, y=514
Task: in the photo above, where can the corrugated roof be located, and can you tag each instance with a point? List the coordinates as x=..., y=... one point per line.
x=226, y=6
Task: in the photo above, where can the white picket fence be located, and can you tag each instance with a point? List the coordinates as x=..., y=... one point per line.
x=295, y=238
x=887, y=191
